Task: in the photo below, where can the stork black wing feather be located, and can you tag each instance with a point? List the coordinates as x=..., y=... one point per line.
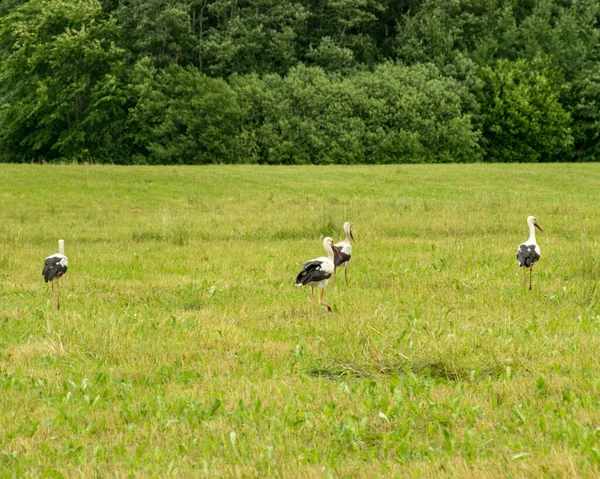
x=53, y=269
x=343, y=258
x=527, y=255
x=312, y=273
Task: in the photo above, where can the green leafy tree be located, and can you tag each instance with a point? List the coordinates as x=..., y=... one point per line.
x=396, y=113
x=489, y=30
x=389, y=14
x=9, y=5
x=304, y=117
x=258, y=36
x=567, y=33
x=183, y=117
x=439, y=30
x=524, y=120
x=415, y=114
x=299, y=81
x=586, y=113
x=338, y=29
x=467, y=73
x=331, y=56
x=158, y=29
x=61, y=83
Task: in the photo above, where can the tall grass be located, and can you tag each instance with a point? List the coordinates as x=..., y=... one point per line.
x=182, y=346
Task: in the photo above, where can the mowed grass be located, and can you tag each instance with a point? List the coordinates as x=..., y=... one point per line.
x=184, y=348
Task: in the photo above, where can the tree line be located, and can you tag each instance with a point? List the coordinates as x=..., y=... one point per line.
x=299, y=81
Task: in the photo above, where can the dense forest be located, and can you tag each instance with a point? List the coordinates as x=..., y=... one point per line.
x=299, y=81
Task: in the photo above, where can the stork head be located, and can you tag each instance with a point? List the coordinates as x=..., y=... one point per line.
x=533, y=221
x=348, y=230
x=329, y=245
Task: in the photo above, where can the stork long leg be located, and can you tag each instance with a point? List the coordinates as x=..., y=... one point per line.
x=530, y=273
x=524, y=277
x=346, y=274
x=321, y=300
x=57, y=293
x=53, y=293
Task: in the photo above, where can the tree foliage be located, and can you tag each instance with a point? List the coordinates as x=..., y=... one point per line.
x=299, y=81
x=587, y=115
x=182, y=116
x=396, y=113
x=525, y=121
x=61, y=92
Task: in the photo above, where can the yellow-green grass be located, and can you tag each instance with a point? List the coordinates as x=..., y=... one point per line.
x=183, y=346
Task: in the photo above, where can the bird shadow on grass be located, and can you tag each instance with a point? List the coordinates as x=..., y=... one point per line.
x=336, y=369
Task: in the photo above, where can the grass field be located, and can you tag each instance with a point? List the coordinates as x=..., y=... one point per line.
x=183, y=346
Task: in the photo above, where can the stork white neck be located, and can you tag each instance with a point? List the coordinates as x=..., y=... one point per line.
x=61, y=247
x=327, y=242
x=347, y=230
x=531, y=231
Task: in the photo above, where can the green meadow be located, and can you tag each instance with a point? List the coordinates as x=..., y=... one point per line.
x=183, y=347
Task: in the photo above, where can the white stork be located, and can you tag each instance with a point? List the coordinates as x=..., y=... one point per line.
x=345, y=249
x=54, y=267
x=317, y=272
x=529, y=252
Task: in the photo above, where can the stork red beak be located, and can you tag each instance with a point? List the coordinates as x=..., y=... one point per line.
x=336, y=251
x=538, y=227
x=352, y=236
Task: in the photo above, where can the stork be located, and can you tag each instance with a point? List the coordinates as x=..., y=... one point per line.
x=54, y=267
x=317, y=272
x=345, y=249
x=529, y=252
